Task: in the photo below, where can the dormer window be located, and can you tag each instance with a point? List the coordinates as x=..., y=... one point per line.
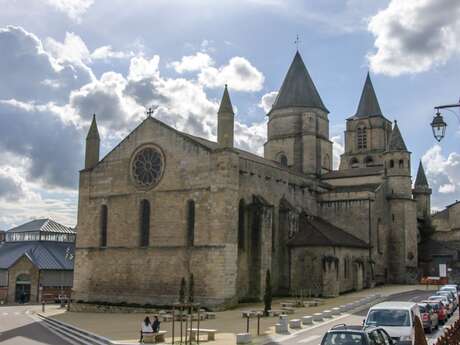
x=361, y=136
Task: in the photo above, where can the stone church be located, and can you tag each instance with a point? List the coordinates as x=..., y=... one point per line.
x=164, y=204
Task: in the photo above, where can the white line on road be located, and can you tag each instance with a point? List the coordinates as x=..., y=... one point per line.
x=16, y=313
x=308, y=339
x=5, y=314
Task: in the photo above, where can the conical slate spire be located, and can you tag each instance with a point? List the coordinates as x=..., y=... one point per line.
x=225, y=103
x=298, y=89
x=420, y=180
x=93, y=132
x=396, y=140
x=368, y=104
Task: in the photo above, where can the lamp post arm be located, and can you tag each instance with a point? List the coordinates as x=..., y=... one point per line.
x=448, y=106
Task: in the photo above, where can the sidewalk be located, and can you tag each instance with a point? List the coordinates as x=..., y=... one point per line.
x=124, y=328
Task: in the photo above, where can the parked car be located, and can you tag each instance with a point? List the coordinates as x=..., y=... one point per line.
x=445, y=301
x=397, y=318
x=452, y=298
x=439, y=309
x=351, y=335
x=429, y=317
x=452, y=289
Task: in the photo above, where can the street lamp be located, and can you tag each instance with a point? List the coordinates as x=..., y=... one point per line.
x=438, y=125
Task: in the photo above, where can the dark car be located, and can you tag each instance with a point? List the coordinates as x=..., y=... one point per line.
x=356, y=335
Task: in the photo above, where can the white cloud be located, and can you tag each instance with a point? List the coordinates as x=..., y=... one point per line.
x=73, y=49
x=337, y=150
x=267, y=101
x=107, y=53
x=192, y=63
x=443, y=174
x=239, y=74
x=141, y=68
x=73, y=8
x=412, y=36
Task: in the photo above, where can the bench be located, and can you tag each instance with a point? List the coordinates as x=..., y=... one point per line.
x=210, y=333
x=151, y=338
x=274, y=312
x=210, y=315
x=287, y=304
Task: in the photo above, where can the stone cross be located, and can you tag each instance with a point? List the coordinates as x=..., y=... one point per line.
x=297, y=41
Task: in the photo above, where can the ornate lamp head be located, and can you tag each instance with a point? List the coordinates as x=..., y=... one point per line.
x=438, y=126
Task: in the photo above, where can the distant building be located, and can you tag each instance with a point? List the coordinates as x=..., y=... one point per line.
x=2, y=236
x=441, y=251
x=36, y=261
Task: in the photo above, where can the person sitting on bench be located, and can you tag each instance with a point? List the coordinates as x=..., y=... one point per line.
x=146, y=327
x=156, y=324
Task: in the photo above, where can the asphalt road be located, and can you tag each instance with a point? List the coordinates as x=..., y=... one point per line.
x=17, y=327
x=314, y=334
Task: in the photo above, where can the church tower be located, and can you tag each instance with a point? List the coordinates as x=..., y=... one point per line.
x=225, y=121
x=298, y=124
x=402, y=211
x=367, y=132
x=92, y=145
x=422, y=193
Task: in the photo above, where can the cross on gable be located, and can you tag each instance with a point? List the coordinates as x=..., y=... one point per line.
x=297, y=41
x=149, y=112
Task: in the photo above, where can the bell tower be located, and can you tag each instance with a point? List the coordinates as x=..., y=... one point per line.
x=298, y=124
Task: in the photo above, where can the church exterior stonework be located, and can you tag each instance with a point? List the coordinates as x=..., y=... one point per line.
x=164, y=204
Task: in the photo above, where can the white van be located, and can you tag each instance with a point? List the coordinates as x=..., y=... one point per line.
x=397, y=318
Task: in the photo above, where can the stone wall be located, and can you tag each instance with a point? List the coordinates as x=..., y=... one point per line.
x=23, y=266
x=327, y=271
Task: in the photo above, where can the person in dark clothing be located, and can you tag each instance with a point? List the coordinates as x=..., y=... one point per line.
x=156, y=324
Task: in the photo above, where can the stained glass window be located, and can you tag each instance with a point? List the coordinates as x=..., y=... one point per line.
x=147, y=167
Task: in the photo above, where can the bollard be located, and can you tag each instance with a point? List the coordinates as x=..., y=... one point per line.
x=43, y=306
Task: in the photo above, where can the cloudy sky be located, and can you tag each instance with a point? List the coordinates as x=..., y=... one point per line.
x=63, y=60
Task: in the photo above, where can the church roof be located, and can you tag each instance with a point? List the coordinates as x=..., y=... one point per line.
x=396, y=140
x=44, y=255
x=421, y=180
x=368, y=103
x=316, y=232
x=43, y=225
x=298, y=89
x=354, y=172
x=225, y=103
x=93, y=132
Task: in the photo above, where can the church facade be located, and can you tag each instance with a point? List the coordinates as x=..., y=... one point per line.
x=164, y=204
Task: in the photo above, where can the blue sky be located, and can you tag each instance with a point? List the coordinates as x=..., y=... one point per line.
x=63, y=60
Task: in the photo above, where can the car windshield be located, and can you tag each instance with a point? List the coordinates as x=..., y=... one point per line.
x=344, y=338
x=388, y=317
x=422, y=309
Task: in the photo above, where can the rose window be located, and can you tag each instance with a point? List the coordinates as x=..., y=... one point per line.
x=147, y=167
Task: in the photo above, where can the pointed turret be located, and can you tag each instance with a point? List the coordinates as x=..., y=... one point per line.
x=92, y=145
x=298, y=89
x=368, y=103
x=225, y=121
x=396, y=141
x=420, y=180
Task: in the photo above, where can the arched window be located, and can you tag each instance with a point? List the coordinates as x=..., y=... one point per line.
x=241, y=224
x=103, y=226
x=144, y=224
x=368, y=161
x=401, y=164
x=190, y=223
x=392, y=163
x=361, y=136
x=283, y=160
x=354, y=162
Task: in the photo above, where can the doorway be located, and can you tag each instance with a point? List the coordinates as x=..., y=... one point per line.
x=22, y=292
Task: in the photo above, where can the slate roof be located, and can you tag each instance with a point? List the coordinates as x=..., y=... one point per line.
x=431, y=248
x=396, y=140
x=44, y=255
x=43, y=225
x=353, y=172
x=421, y=180
x=298, y=89
x=315, y=232
x=93, y=132
x=368, y=103
x=225, y=103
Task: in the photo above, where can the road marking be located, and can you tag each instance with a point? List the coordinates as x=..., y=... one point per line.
x=308, y=339
x=16, y=313
x=5, y=314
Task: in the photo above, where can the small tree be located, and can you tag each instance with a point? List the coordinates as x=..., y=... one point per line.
x=182, y=291
x=191, y=289
x=267, y=294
